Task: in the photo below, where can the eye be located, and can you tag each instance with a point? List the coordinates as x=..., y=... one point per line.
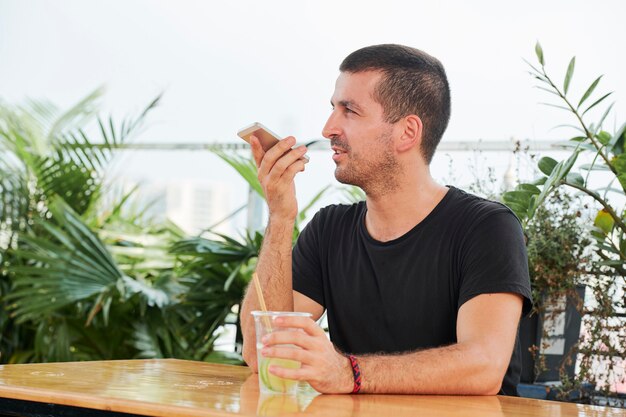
x=349, y=110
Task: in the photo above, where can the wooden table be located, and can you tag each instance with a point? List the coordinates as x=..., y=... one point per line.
x=170, y=387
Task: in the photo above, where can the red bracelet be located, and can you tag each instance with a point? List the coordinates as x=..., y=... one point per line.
x=356, y=373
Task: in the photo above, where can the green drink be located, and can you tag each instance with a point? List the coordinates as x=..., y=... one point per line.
x=268, y=382
x=276, y=384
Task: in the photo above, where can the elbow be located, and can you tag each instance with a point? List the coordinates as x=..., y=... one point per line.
x=249, y=356
x=492, y=389
x=489, y=377
x=490, y=382
x=248, y=351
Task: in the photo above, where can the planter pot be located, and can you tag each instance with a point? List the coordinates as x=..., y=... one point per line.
x=563, y=333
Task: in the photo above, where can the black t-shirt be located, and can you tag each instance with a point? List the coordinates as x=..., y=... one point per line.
x=403, y=295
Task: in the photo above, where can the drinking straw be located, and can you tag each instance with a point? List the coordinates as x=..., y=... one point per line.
x=259, y=294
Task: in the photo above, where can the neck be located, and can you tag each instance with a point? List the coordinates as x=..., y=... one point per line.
x=393, y=214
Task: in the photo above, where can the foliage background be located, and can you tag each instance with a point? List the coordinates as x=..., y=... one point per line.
x=82, y=278
x=595, y=171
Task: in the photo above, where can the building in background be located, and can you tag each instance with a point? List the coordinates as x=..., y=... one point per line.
x=196, y=206
x=192, y=205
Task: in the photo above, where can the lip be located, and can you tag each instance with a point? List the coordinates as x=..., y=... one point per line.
x=338, y=153
x=338, y=156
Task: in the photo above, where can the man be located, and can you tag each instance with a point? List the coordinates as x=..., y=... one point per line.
x=424, y=285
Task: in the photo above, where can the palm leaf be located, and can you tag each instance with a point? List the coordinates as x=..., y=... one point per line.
x=14, y=197
x=77, y=116
x=214, y=251
x=23, y=130
x=72, y=264
x=146, y=342
x=76, y=170
x=246, y=167
x=153, y=295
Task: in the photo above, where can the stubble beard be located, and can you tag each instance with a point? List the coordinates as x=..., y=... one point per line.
x=377, y=174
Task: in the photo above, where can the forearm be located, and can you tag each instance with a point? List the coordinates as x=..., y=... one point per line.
x=274, y=273
x=465, y=369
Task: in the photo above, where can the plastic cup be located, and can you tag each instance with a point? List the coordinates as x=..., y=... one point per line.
x=268, y=382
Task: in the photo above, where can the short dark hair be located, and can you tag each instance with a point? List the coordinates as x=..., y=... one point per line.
x=413, y=83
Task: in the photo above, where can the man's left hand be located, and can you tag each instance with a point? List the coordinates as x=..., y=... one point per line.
x=325, y=369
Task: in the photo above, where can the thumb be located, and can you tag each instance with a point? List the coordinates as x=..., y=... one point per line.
x=257, y=150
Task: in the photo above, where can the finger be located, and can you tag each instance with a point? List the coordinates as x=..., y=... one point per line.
x=278, y=181
x=283, y=146
x=257, y=150
x=295, y=154
x=305, y=323
x=292, y=157
x=290, y=173
x=289, y=337
x=301, y=374
x=282, y=352
x=274, y=154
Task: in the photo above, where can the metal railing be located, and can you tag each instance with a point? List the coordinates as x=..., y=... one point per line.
x=317, y=143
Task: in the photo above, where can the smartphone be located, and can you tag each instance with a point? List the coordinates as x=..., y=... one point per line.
x=266, y=137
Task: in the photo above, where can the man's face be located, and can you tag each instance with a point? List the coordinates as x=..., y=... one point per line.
x=363, y=142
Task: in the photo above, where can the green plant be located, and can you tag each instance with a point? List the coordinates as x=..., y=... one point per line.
x=557, y=249
x=83, y=279
x=602, y=181
x=80, y=280
x=51, y=175
x=558, y=262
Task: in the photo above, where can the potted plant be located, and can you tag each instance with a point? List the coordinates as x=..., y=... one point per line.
x=600, y=180
x=557, y=260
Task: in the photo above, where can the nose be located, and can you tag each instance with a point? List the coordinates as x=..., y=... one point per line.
x=331, y=128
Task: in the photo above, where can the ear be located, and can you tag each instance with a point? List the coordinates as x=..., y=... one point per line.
x=411, y=136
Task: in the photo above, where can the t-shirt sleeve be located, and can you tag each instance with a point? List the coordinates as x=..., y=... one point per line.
x=494, y=259
x=306, y=261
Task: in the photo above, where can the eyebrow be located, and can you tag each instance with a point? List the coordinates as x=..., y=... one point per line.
x=347, y=103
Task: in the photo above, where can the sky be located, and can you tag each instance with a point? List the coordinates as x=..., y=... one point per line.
x=223, y=65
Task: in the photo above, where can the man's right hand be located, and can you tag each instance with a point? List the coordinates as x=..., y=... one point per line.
x=276, y=171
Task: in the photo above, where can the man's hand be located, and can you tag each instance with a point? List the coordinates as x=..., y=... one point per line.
x=276, y=171
x=327, y=370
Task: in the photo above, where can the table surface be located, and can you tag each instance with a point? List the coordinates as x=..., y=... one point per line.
x=171, y=387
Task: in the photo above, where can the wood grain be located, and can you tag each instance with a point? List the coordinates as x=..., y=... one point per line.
x=170, y=387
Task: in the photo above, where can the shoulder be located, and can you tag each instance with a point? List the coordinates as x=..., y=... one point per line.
x=336, y=218
x=474, y=211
